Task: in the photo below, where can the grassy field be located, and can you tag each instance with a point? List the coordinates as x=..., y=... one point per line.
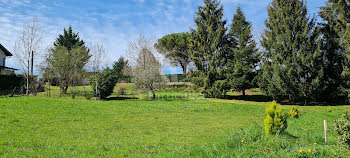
x=178, y=124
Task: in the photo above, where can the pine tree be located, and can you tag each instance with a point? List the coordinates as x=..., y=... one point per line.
x=294, y=65
x=175, y=48
x=241, y=68
x=119, y=68
x=207, y=48
x=336, y=28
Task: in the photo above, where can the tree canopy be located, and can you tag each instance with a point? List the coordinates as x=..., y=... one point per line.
x=175, y=47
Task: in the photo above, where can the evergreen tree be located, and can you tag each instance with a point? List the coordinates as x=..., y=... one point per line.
x=336, y=30
x=69, y=39
x=294, y=65
x=207, y=48
x=175, y=48
x=69, y=56
x=119, y=68
x=241, y=67
x=106, y=81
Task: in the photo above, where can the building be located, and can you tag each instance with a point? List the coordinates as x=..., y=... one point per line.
x=4, y=53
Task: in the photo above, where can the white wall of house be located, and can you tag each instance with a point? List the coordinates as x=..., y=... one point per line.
x=2, y=58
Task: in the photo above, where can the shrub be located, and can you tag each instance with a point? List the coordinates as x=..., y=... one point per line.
x=275, y=121
x=294, y=112
x=106, y=81
x=329, y=110
x=11, y=81
x=121, y=89
x=342, y=128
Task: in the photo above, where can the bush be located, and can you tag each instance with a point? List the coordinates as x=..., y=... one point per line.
x=121, y=88
x=294, y=112
x=329, y=110
x=275, y=121
x=106, y=81
x=342, y=128
x=9, y=82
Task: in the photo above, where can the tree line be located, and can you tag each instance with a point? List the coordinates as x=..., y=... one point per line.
x=299, y=58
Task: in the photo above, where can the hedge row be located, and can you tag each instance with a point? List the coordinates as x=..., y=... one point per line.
x=11, y=81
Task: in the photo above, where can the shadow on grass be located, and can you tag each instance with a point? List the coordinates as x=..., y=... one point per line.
x=288, y=135
x=255, y=98
x=121, y=98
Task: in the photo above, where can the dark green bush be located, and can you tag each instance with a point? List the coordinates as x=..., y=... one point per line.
x=11, y=81
x=342, y=128
x=106, y=80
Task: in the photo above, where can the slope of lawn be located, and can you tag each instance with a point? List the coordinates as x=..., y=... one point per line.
x=173, y=126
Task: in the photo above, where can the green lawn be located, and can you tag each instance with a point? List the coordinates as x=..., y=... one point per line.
x=168, y=127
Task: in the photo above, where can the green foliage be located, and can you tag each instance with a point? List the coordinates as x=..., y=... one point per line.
x=336, y=28
x=329, y=110
x=68, y=58
x=242, y=66
x=120, y=68
x=207, y=45
x=69, y=39
x=295, y=64
x=275, y=121
x=175, y=48
x=9, y=82
x=342, y=128
x=294, y=112
x=104, y=83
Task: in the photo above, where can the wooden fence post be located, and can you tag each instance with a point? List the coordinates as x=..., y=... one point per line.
x=325, y=130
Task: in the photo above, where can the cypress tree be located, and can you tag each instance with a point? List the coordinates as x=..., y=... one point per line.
x=293, y=63
x=241, y=67
x=207, y=48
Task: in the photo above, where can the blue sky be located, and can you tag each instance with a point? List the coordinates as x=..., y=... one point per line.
x=117, y=22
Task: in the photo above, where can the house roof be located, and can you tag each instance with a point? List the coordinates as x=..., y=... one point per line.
x=7, y=53
x=4, y=67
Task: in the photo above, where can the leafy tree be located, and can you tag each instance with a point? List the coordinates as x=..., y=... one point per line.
x=294, y=63
x=67, y=66
x=336, y=30
x=69, y=56
x=120, y=67
x=106, y=81
x=207, y=48
x=241, y=67
x=175, y=48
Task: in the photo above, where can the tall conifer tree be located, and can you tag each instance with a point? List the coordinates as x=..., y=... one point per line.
x=207, y=47
x=336, y=30
x=241, y=67
x=294, y=65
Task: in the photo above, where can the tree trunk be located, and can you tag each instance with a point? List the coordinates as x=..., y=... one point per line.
x=153, y=95
x=27, y=91
x=184, y=68
x=65, y=88
x=243, y=94
x=32, y=74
